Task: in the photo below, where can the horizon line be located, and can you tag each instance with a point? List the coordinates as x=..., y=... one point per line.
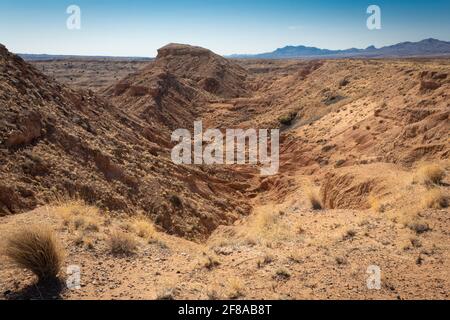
x=227, y=55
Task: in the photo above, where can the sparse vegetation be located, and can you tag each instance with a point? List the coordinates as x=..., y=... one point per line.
x=349, y=234
x=267, y=226
x=430, y=174
x=79, y=215
x=176, y=201
x=265, y=260
x=236, y=288
x=158, y=242
x=435, y=199
x=416, y=243
x=296, y=258
x=85, y=240
x=419, y=227
x=314, y=198
x=211, y=261
x=143, y=228
x=287, y=118
x=122, y=243
x=166, y=294
x=376, y=205
x=344, y=82
x=213, y=295
x=36, y=248
x=86, y=223
x=341, y=260
x=282, y=274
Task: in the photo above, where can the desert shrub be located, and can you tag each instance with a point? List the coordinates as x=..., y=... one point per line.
x=282, y=274
x=84, y=240
x=236, y=288
x=265, y=260
x=287, y=118
x=143, y=228
x=122, y=243
x=435, y=199
x=166, y=294
x=349, y=234
x=314, y=198
x=79, y=215
x=341, y=260
x=212, y=294
x=176, y=201
x=419, y=227
x=376, y=205
x=430, y=174
x=266, y=226
x=344, y=82
x=36, y=248
x=416, y=243
x=86, y=223
x=211, y=261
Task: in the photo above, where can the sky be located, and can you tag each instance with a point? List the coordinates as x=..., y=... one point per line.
x=140, y=27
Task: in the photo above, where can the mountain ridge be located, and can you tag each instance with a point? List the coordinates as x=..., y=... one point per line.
x=426, y=47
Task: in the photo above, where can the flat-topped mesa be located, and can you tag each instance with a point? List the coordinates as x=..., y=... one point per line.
x=181, y=75
x=212, y=72
x=177, y=49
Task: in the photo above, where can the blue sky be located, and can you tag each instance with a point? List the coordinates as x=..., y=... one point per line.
x=140, y=27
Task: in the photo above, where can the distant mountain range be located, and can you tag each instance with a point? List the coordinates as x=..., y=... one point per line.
x=427, y=47
x=49, y=57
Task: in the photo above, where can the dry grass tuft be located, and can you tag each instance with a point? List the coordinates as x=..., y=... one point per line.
x=236, y=288
x=349, y=234
x=211, y=261
x=296, y=258
x=407, y=214
x=86, y=223
x=341, y=260
x=36, y=248
x=79, y=215
x=430, y=174
x=267, y=226
x=376, y=205
x=144, y=228
x=212, y=294
x=166, y=294
x=314, y=198
x=122, y=244
x=282, y=275
x=84, y=240
x=265, y=260
x=287, y=118
x=435, y=199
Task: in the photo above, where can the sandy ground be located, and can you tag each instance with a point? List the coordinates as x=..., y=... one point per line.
x=303, y=254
